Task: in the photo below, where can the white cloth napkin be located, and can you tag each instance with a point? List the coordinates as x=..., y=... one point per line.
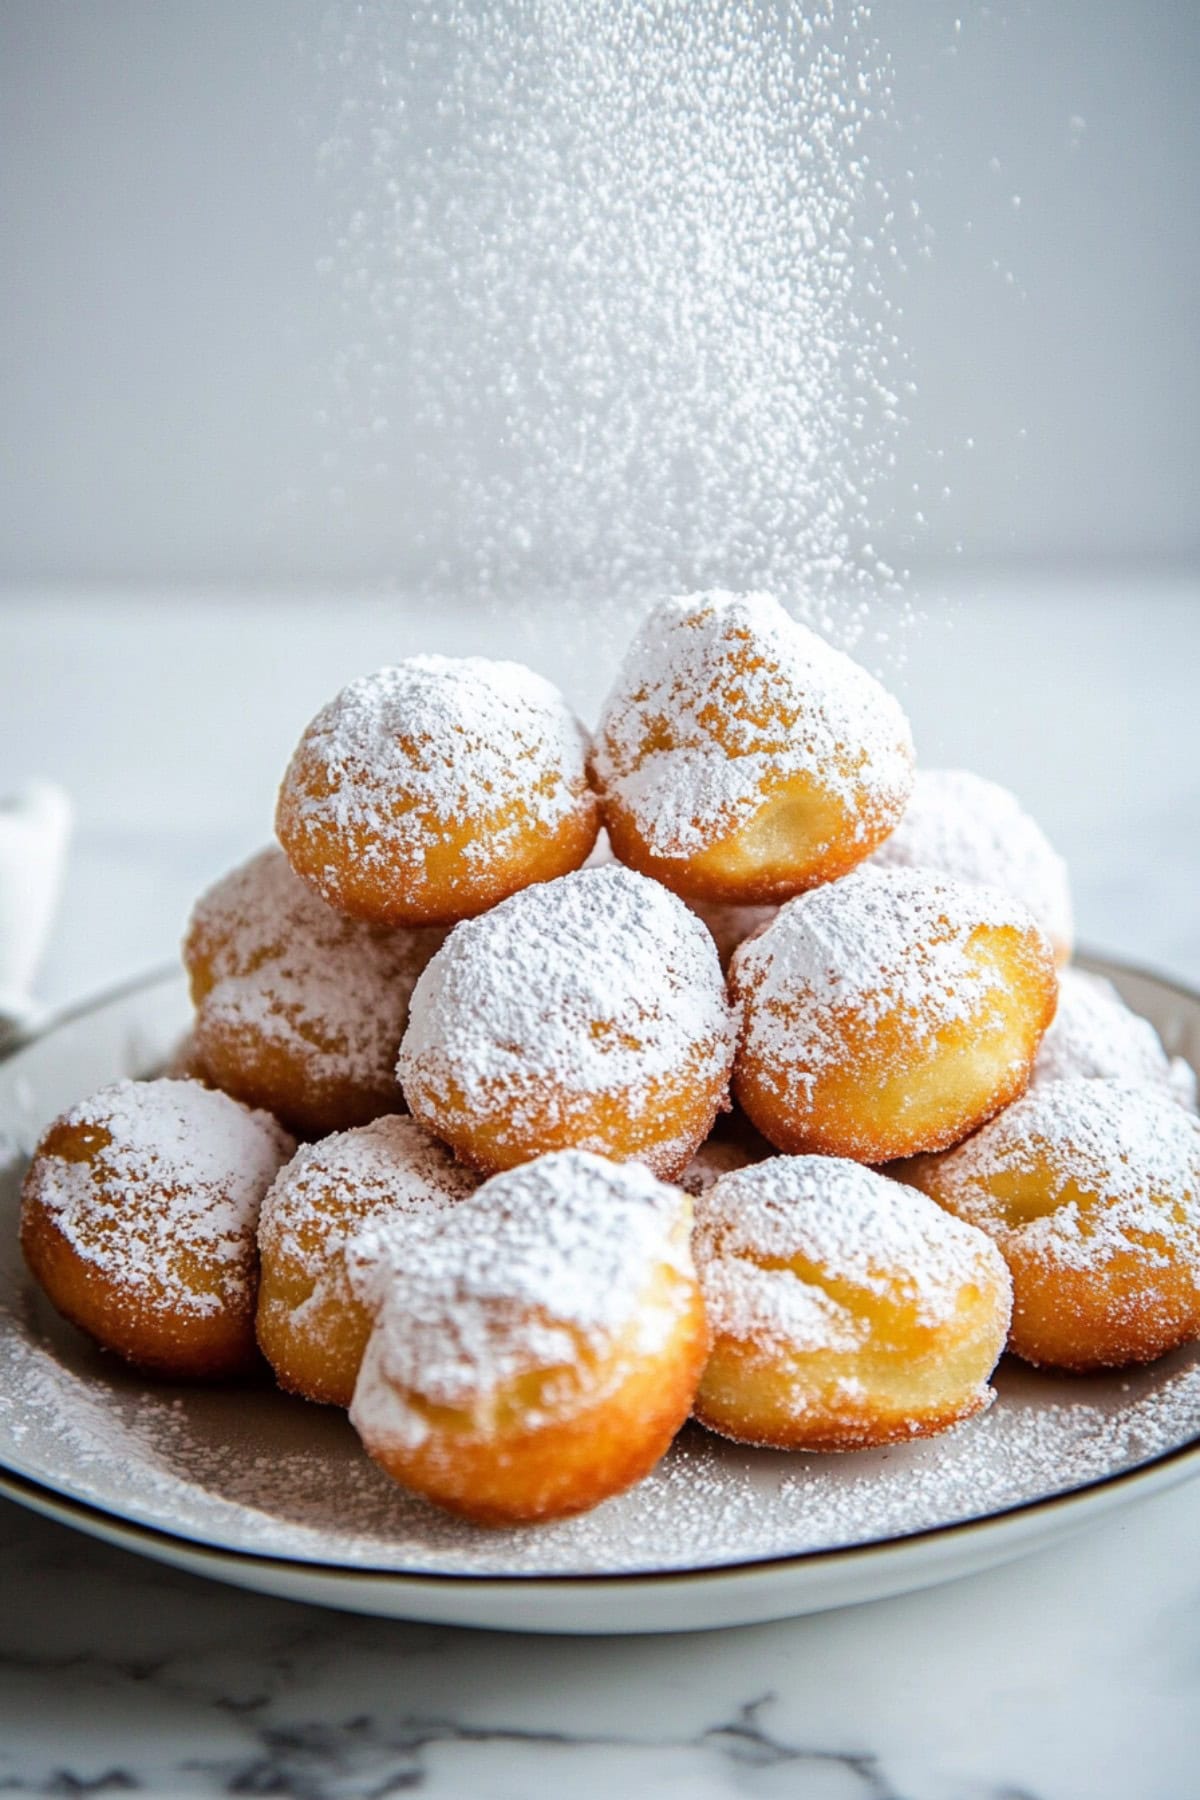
x=35, y=825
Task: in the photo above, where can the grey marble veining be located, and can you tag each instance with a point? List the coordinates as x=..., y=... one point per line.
x=1069, y=1676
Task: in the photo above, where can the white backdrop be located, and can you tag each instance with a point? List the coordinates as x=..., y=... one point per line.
x=164, y=330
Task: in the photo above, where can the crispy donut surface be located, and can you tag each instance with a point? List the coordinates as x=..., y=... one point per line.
x=888, y=1013
x=312, y=1327
x=536, y=1350
x=843, y=1314
x=138, y=1219
x=298, y=1008
x=429, y=791
x=740, y=758
x=1091, y=1190
x=588, y=1012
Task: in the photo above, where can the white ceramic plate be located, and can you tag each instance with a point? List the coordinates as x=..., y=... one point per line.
x=252, y=1487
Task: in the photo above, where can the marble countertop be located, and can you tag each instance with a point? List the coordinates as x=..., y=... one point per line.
x=1073, y=1675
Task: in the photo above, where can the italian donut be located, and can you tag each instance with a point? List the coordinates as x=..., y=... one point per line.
x=584, y=1013
x=138, y=1219
x=888, y=1013
x=844, y=1313
x=740, y=759
x=298, y=1008
x=312, y=1328
x=537, y=1349
x=429, y=791
x=1091, y=1191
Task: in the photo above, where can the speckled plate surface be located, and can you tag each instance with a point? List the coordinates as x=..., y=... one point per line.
x=252, y=1486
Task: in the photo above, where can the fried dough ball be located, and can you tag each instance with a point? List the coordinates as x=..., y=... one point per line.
x=1091, y=1190
x=1095, y=1036
x=585, y=1013
x=536, y=1350
x=298, y=1008
x=740, y=758
x=843, y=1314
x=312, y=1329
x=957, y=823
x=425, y=793
x=138, y=1217
x=888, y=1013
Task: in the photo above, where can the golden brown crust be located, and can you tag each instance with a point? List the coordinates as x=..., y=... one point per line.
x=831, y=842
x=299, y=1010
x=740, y=759
x=141, y=1329
x=830, y=1436
x=428, y=792
x=1091, y=1192
x=670, y=1120
x=344, y=867
x=138, y=1215
x=845, y=1312
x=885, y=1089
x=611, y=1440
x=312, y=1326
x=318, y=1360
x=1105, y=1318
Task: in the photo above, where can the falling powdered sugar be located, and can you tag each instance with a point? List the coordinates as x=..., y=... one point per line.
x=721, y=699
x=150, y=1172
x=616, y=300
x=854, y=1237
x=546, y=1268
x=598, y=983
x=962, y=825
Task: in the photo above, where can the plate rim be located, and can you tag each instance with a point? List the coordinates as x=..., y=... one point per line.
x=24, y=1489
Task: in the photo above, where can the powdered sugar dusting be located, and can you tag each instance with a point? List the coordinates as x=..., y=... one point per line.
x=438, y=740
x=848, y=1225
x=295, y=974
x=597, y=983
x=961, y=825
x=720, y=698
x=1118, y=1163
x=252, y=1470
x=1095, y=1036
x=881, y=941
x=174, y=1168
x=548, y=1264
x=390, y=1168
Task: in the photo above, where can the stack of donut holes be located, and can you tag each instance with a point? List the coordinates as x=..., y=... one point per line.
x=778, y=1105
